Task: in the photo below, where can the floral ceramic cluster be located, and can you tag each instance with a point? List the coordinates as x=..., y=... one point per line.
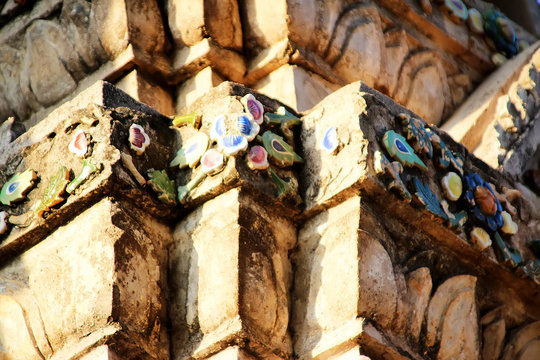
x=476, y=204
x=496, y=28
x=251, y=134
x=60, y=185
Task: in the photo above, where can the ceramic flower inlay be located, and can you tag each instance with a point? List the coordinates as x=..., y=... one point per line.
x=257, y=158
x=138, y=139
x=189, y=119
x=88, y=169
x=254, y=107
x=232, y=144
x=483, y=205
x=247, y=126
x=475, y=21
x=392, y=169
x=16, y=188
x=480, y=238
x=191, y=151
x=212, y=162
x=416, y=131
x=217, y=129
x=452, y=186
x=79, y=144
x=456, y=10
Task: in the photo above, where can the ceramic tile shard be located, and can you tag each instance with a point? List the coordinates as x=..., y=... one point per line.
x=399, y=149
x=416, y=132
x=159, y=182
x=232, y=144
x=452, y=186
x=212, y=162
x=16, y=188
x=3, y=222
x=446, y=157
x=330, y=142
x=383, y=166
x=455, y=10
x=284, y=119
x=257, y=158
x=428, y=200
x=280, y=153
x=184, y=190
x=480, y=238
x=191, y=152
x=509, y=227
x=506, y=255
x=138, y=139
x=88, y=169
x=254, y=107
x=189, y=119
x=286, y=189
x=54, y=191
x=79, y=144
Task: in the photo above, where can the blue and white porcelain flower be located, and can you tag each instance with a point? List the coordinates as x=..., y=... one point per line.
x=232, y=132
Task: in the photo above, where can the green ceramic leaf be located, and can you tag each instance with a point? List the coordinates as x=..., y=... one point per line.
x=416, y=131
x=278, y=150
x=446, y=157
x=391, y=169
x=16, y=188
x=428, y=200
x=399, y=149
x=284, y=119
x=184, y=190
x=162, y=185
x=88, y=169
x=189, y=119
x=53, y=191
x=509, y=257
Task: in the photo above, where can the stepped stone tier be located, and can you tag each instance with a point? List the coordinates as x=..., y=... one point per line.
x=252, y=179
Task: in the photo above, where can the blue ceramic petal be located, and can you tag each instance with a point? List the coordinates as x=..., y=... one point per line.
x=469, y=196
x=477, y=179
x=233, y=144
x=218, y=128
x=244, y=125
x=499, y=219
x=12, y=187
x=491, y=223
x=330, y=141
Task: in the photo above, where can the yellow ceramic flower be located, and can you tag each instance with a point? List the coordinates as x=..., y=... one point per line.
x=452, y=186
x=480, y=238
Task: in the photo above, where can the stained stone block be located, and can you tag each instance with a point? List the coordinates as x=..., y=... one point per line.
x=140, y=88
x=230, y=276
x=344, y=278
x=196, y=86
x=191, y=21
x=296, y=87
x=94, y=278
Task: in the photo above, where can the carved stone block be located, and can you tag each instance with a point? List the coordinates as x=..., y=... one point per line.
x=121, y=268
x=230, y=276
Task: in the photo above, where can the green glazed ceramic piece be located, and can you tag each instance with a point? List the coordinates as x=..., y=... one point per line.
x=399, y=149
x=392, y=169
x=456, y=221
x=428, y=200
x=16, y=188
x=284, y=119
x=509, y=257
x=88, y=169
x=189, y=119
x=416, y=132
x=191, y=152
x=53, y=191
x=281, y=153
x=455, y=10
x=184, y=190
x=285, y=189
x=162, y=185
x=446, y=157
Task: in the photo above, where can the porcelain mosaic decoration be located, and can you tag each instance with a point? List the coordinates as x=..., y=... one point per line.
x=466, y=203
x=16, y=188
x=54, y=191
x=79, y=144
x=250, y=135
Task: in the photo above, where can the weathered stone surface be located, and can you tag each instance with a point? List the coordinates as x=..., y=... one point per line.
x=524, y=344
x=452, y=319
x=140, y=88
x=191, y=21
x=296, y=87
x=232, y=288
x=101, y=250
x=326, y=291
x=475, y=116
x=100, y=353
x=190, y=60
x=195, y=87
x=493, y=340
x=232, y=353
x=419, y=284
